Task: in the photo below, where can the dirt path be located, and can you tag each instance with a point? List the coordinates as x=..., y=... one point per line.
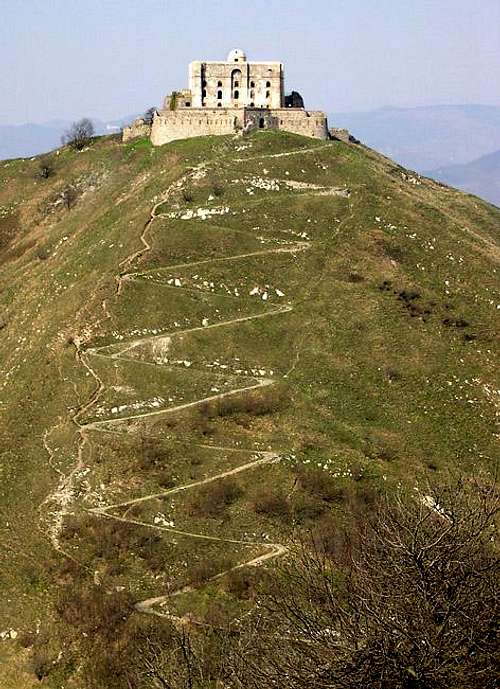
x=64, y=494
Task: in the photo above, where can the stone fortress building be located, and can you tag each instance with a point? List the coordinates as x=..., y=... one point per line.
x=227, y=97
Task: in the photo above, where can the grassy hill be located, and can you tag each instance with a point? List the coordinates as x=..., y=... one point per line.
x=209, y=345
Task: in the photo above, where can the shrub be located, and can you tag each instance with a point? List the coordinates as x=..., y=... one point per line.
x=240, y=582
x=166, y=480
x=408, y=295
x=153, y=454
x=381, y=447
x=69, y=196
x=188, y=194
x=93, y=610
x=203, y=571
x=174, y=100
x=456, y=322
x=27, y=638
x=213, y=499
x=45, y=167
x=42, y=660
x=256, y=403
x=307, y=507
x=217, y=187
x=355, y=278
x=392, y=374
x=331, y=540
x=43, y=253
x=271, y=502
x=320, y=484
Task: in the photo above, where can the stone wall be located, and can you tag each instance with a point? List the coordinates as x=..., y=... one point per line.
x=184, y=124
x=343, y=135
x=138, y=129
x=170, y=125
x=304, y=122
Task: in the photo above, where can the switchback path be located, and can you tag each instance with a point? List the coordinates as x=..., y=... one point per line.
x=64, y=495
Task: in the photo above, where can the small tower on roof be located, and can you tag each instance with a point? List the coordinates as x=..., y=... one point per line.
x=236, y=55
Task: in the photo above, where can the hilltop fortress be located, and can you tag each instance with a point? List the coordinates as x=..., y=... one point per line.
x=228, y=97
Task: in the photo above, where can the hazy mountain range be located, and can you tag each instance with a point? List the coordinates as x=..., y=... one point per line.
x=481, y=176
x=457, y=144
x=426, y=138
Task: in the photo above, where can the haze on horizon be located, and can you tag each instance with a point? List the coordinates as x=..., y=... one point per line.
x=108, y=59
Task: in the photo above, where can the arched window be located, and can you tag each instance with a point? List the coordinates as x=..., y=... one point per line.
x=204, y=82
x=252, y=94
x=219, y=105
x=252, y=84
x=252, y=105
x=268, y=84
x=219, y=83
x=235, y=83
x=268, y=94
x=219, y=95
x=204, y=93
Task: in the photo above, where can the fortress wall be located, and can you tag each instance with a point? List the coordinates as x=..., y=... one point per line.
x=138, y=129
x=304, y=122
x=183, y=124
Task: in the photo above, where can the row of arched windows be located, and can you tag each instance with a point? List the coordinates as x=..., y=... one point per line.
x=236, y=78
x=236, y=83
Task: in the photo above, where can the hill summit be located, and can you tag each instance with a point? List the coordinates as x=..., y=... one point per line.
x=206, y=346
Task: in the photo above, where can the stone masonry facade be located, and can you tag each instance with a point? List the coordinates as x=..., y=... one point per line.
x=228, y=97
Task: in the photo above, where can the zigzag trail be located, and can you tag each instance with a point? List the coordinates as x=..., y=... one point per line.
x=65, y=492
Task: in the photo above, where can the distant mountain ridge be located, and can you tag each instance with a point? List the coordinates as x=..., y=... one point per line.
x=427, y=137
x=481, y=176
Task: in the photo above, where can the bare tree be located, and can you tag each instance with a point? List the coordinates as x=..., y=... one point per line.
x=79, y=134
x=412, y=607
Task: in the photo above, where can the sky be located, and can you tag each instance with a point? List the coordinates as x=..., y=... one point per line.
x=66, y=59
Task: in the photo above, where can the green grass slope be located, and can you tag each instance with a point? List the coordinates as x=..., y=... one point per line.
x=221, y=340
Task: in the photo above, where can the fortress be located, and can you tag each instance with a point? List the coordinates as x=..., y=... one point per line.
x=228, y=97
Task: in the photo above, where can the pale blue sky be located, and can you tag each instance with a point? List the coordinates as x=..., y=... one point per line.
x=109, y=58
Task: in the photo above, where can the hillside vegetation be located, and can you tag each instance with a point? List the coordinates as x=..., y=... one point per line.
x=206, y=348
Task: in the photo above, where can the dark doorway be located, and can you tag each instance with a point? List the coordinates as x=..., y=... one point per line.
x=262, y=123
